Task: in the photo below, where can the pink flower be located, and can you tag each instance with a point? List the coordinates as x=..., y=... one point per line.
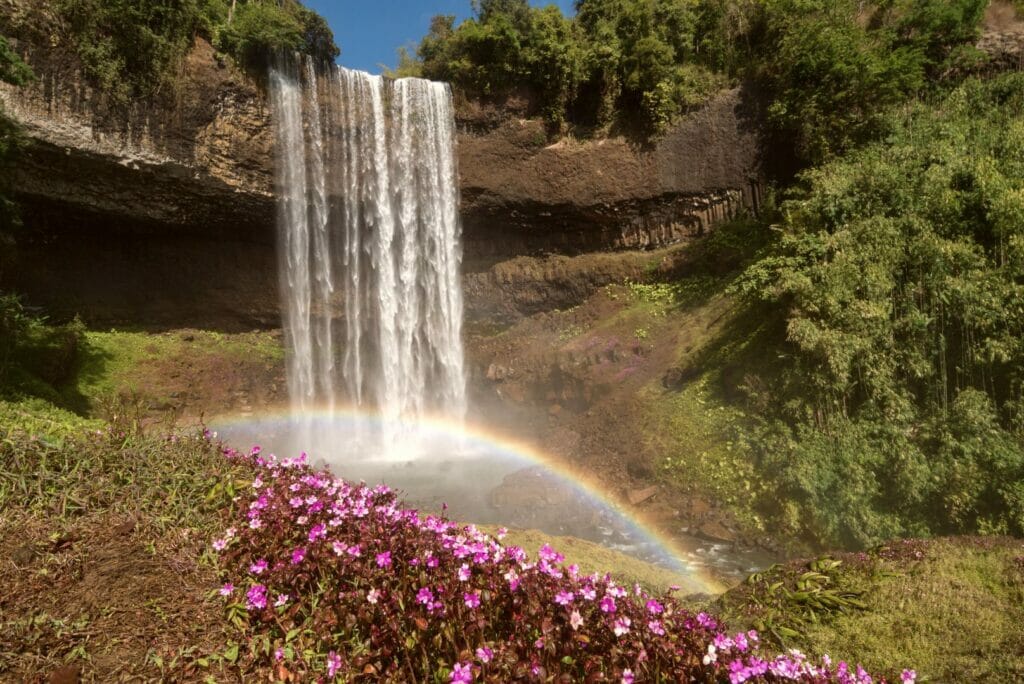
x=282, y=599
x=550, y=555
x=425, y=596
x=621, y=626
x=384, y=559
x=318, y=532
x=227, y=589
x=575, y=620
x=656, y=627
x=484, y=654
x=257, y=596
x=471, y=599
x=258, y=567
x=607, y=604
x=464, y=573
x=339, y=548
x=564, y=598
x=219, y=544
x=279, y=654
x=373, y=596
x=333, y=664
x=298, y=555
x=627, y=676
x=908, y=676
x=654, y=608
x=461, y=673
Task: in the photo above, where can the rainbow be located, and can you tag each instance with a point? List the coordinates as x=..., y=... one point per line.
x=236, y=427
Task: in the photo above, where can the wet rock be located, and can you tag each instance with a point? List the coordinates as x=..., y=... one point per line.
x=497, y=373
x=675, y=378
x=715, y=531
x=699, y=507
x=639, y=467
x=638, y=496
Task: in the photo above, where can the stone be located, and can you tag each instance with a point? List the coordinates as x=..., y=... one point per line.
x=497, y=373
x=638, y=496
x=715, y=531
x=699, y=507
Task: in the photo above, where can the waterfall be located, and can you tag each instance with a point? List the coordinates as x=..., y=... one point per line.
x=369, y=241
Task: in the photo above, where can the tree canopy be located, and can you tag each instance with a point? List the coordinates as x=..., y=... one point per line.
x=898, y=272
x=829, y=66
x=132, y=48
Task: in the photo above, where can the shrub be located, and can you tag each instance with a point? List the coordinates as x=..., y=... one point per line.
x=259, y=30
x=330, y=577
x=134, y=48
x=897, y=272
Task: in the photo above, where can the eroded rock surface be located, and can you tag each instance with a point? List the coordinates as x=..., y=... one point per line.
x=162, y=213
x=522, y=196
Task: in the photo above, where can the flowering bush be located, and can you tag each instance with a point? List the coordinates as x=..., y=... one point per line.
x=335, y=579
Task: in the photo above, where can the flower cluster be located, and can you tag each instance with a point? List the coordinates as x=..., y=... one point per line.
x=337, y=578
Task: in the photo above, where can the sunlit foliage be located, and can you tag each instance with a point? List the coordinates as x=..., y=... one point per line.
x=899, y=271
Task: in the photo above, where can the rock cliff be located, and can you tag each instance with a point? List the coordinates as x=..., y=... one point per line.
x=150, y=209
x=521, y=195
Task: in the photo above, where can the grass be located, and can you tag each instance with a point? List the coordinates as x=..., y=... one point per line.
x=593, y=558
x=171, y=481
x=107, y=567
x=116, y=361
x=950, y=608
x=702, y=450
x=37, y=419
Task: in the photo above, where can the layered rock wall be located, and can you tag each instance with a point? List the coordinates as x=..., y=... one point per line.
x=163, y=212
x=522, y=196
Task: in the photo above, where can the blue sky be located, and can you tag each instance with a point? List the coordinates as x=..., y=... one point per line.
x=370, y=31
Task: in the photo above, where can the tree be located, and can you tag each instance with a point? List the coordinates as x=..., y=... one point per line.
x=899, y=274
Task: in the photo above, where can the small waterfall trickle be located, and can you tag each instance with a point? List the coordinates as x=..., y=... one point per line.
x=369, y=241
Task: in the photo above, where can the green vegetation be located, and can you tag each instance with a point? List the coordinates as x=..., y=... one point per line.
x=36, y=360
x=629, y=63
x=56, y=379
x=829, y=67
x=594, y=558
x=118, y=522
x=117, y=361
x=951, y=606
x=172, y=482
x=135, y=48
x=889, y=299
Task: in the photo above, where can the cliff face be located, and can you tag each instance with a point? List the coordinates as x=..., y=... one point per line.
x=164, y=212
x=522, y=196
x=158, y=212
x=200, y=157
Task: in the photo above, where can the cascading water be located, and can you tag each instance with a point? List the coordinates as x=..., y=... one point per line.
x=368, y=241
x=369, y=270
